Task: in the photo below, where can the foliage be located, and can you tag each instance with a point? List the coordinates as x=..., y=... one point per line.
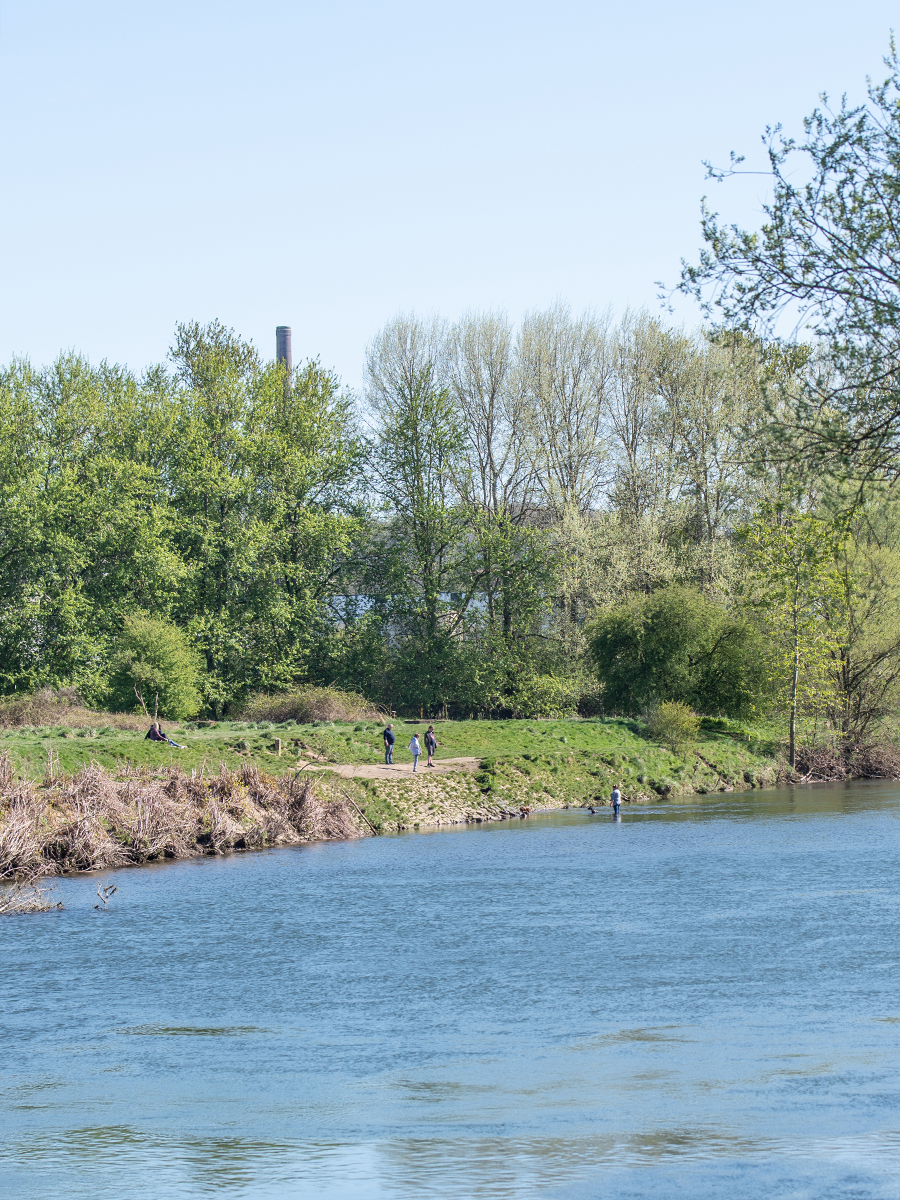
x=155, y=662
x=798, y=586
x=551, y=696
x=679, y=645
x=827, y=253
x=526, y=504
x=674, y=724
x=865, y=665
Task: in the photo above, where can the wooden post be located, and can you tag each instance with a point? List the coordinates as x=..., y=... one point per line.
x=278, y=746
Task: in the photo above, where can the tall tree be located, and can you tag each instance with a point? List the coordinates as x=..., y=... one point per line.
x=259, y=476
x=564, y=367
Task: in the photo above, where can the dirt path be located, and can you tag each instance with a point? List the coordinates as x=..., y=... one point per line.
x=445, y=766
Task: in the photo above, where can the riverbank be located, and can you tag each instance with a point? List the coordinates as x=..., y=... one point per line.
x=109, y=798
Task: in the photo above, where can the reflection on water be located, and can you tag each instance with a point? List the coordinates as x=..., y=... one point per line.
x=700, y=1001
x=192, y=1031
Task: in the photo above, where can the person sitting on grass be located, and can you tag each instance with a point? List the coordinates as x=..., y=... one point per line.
x=155, y=734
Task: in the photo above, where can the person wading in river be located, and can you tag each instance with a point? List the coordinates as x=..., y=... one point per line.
x=615, y=800
x=431, y=745
x=389, y=745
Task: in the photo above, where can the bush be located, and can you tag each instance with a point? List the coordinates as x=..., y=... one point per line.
x=678, y=644
x=307, y=704
x=154, y=659
x=674, y=724
x=62, y=708
x=544, y=696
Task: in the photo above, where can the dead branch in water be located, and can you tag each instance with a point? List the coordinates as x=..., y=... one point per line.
x=24, y=894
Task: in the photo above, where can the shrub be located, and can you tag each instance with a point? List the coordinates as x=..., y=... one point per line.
x=678, y=644
x=674, y=724
x=544, y=696
x=307, y=704
x=155, y=659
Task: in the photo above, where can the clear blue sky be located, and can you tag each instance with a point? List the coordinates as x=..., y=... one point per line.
x=326, y=165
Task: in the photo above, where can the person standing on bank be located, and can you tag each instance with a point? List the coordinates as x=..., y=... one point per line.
x=389, y=740
x=615, y=800
x=431, y=745
x=416, y=750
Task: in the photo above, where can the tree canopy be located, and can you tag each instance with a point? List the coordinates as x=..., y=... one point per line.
x=826, y=257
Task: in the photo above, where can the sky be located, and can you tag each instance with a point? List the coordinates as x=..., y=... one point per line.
x=328, y=165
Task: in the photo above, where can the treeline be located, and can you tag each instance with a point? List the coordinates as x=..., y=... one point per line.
x=575, y=515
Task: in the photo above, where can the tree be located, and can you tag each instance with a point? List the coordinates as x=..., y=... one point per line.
x=677, y=645
x=84, y=519
x=797, y=585
x=563, y=369
x=828, y=253
x=497, y=476
x=155, y=662
x=262, y=481
x=865, y=664
x=415, y=460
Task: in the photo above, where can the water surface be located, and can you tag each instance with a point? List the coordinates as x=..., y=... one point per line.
x=701, y=1001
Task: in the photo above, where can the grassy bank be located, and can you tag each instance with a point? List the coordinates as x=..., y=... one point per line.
x=528, y=749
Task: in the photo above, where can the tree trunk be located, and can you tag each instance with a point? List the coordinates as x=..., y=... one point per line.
x=794, y=688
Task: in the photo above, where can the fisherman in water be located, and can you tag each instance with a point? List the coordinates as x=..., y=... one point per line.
x=616, y=800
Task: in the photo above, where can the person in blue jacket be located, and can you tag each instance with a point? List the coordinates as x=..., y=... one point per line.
x=389, y=740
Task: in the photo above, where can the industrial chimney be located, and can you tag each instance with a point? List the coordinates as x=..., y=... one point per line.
x=283, y=345
x=283, y=353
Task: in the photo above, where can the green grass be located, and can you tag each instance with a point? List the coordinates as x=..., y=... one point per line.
x=572, y=761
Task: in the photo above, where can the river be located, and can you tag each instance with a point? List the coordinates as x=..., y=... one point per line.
x=701, y=1001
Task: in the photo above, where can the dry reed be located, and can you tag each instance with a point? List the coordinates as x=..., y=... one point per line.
x=63, y=707
x=92, y=819
x=308, y=704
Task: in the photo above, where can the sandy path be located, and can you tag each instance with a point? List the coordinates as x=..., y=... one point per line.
x=445, y=766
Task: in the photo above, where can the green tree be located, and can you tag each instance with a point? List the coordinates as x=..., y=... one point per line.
x=673, y=723
x=865, y=663
x=677, y=644
x=262, y=480
x=83, y=520
x=155, y=664
x=797, y=584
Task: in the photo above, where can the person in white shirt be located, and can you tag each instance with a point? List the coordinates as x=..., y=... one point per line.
x=416, y=751
x=615, y=799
